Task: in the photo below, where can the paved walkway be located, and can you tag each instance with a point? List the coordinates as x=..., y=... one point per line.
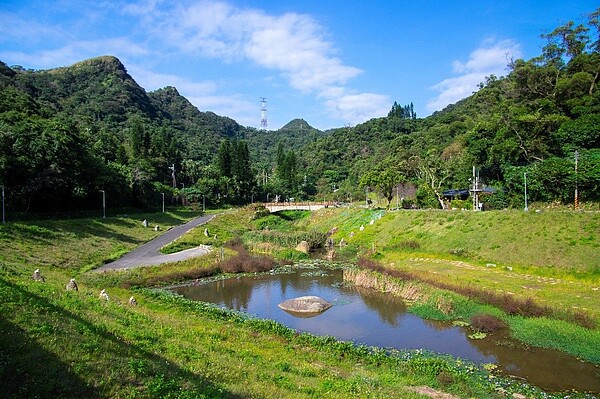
x=148, y=254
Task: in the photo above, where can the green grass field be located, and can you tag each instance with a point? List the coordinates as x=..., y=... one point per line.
x=59, y=343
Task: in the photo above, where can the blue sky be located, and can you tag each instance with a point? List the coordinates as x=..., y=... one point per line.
x=333, y=63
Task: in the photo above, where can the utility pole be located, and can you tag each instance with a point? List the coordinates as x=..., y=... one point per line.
x=163, y=202
x=576, y=182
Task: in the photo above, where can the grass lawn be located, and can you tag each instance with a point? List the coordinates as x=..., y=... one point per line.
x=59, y=343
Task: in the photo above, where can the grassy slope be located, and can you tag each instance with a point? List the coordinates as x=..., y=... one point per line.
x=71, y=344
x=554, y=257
x=551, y=258
x=164, y=348
x=564, y=241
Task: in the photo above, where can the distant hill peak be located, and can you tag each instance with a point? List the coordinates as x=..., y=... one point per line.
x=297, y=124
x=106, y=61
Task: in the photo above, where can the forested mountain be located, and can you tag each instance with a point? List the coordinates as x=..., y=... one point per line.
x=68, y=133
x=543, y=120
x=293, y=136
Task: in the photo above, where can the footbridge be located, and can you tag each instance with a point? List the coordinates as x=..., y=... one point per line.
x=297, y=206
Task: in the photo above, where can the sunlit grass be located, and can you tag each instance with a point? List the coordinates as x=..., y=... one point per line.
x=170, y=347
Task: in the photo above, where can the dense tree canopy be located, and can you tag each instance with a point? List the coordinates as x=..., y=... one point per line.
x=67, y=133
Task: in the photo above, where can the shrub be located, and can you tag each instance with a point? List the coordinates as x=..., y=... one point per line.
x=243, y=261
x=487, y=323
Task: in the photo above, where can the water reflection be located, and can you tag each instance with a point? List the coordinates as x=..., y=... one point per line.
x=368, y=317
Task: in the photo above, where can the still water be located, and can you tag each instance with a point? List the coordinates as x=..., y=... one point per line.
x=371, y=318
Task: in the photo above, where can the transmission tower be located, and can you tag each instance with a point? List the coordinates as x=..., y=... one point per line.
x=263, y=113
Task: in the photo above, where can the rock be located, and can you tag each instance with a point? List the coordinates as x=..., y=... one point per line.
x=72, y=285
x=303, y=247
x=156, y=228
x=342, y=243
x=132, y=301
x=103, y=295
x=306, y=306
x=206, y=232
x=145, y=223
x=351, y=234
x=372, y=221
x=37, y=276
x=362, y=228
x=518, y=396
x=332, y=231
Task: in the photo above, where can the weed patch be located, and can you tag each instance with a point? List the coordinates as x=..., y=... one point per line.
x=487, y=323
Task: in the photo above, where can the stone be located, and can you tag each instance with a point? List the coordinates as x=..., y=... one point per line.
x=37, y=275
x=132, y=301
x=72, y=285
x=156, y=228
x=342, y=243
x=372, y=221
x=332, y=231
x=362, y=227
x=303, y=247
x=145, y=223
x=103, y=295
x=305, y=305
x=351, y=234
x=206, y=232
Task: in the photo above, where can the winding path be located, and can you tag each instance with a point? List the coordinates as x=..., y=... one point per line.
x=148, y=254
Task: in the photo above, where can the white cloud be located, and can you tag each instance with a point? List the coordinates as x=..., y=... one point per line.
x=75, y=52
x=491, y=58
x=355, y=108
x=201, y=94
x=12, y=26
x=294, y=45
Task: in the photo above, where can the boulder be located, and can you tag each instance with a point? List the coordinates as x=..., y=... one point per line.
x=305, y=306
x=303, y=247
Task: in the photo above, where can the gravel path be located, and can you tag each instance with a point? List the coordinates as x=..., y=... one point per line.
x=148, y=254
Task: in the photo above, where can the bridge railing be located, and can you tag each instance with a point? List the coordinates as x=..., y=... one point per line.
x=298, y=204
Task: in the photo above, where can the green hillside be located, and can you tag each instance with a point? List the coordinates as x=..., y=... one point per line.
x=69, y=132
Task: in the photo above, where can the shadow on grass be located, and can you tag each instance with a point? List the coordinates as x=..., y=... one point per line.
x=45, y=231
x=29, y=370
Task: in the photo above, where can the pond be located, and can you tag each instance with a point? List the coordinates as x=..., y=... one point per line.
x=371, y=318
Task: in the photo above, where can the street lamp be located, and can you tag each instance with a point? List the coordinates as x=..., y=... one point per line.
x=103, y=204
x=525, y=180
x=576, y=204
x=3, y=216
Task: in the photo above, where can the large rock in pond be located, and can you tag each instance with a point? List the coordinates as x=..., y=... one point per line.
x=305, y=306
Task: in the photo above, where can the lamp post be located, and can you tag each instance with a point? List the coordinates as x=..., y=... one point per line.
x=3, y=215
x=163, y=202
x=103, y=204
x=576, y=205
x=525, y=180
